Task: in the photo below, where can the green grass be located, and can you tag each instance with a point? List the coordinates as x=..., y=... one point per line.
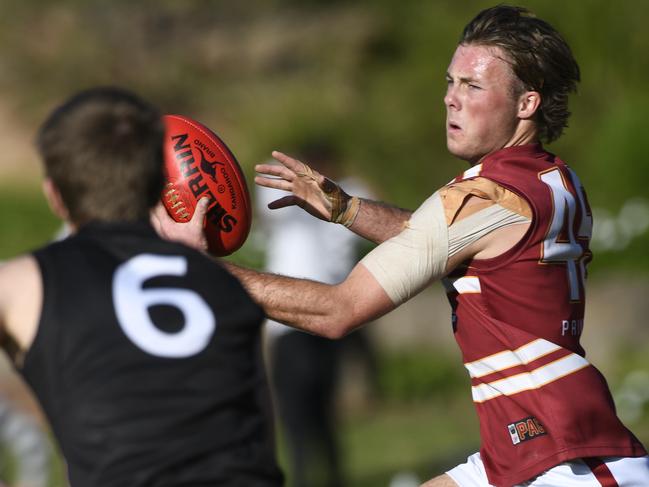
x=418, y=418
x=426, y=438
x=26, y=221
x=7, y=464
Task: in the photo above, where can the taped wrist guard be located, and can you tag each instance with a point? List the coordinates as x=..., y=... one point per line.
x=342, y=206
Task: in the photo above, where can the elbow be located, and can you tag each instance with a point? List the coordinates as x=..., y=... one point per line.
x=335, y=332
x=346, y=311
x=338, y=325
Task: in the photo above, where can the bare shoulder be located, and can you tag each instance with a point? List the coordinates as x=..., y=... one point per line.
x=21, y=297
x=16, y=271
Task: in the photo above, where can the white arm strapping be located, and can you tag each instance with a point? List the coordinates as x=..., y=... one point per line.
x=463, y=233
x=408, y=262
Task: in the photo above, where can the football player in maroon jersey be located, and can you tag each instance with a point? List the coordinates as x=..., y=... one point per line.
x=509, y=238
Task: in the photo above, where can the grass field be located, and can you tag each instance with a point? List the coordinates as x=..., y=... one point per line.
x=423, y=438
x=26, y=221
x=419, y=432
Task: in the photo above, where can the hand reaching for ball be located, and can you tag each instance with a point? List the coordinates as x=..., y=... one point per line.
x=191, y=233
x=310, y=190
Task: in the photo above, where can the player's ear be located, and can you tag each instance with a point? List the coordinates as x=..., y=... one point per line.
x=528, y=103
x=54, y=200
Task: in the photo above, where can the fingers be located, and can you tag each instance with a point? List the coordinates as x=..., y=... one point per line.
x=190, y=233
x=160, y=220
x=288, y=161
x=276, y=171
x=271, y=169
x=201, y=210
x=273, y=183
x=159, y=210
x=158, y=216
x=289, y=168
x=196, y=238
x=283, y=202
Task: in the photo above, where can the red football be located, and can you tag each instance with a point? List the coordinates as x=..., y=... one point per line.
x=198, y=164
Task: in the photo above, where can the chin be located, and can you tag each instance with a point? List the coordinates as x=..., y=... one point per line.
x=458, y=152
x=472, y=155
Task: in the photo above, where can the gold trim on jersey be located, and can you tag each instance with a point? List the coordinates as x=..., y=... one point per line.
x=455, y=196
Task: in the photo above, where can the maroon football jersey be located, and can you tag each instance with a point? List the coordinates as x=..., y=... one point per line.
x=518, y=319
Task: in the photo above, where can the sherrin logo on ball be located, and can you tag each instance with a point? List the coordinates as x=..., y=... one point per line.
x=198, y=164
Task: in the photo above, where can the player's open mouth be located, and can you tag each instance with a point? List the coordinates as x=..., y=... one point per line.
x=453, y=127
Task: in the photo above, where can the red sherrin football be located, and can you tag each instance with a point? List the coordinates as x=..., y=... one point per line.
x=197, y=164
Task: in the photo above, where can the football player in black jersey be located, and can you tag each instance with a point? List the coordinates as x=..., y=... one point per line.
x=144, y=353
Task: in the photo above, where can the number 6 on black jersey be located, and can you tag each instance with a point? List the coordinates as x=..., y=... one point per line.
x=132, y=302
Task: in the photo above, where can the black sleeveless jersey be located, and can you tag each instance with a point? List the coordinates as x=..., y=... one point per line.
x=147, y=362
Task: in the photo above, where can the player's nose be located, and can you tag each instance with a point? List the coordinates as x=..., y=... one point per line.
x=451, y=100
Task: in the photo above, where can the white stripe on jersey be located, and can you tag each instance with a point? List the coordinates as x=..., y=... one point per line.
x=473, y=172
x=463, y=285
x=529, y=380
x=510, y=358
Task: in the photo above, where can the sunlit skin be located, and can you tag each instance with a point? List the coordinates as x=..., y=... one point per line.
x=482, y=113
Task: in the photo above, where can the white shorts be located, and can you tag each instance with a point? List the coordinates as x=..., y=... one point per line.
x=590, y=472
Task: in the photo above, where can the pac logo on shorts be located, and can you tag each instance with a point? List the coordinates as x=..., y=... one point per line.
x=525, y=429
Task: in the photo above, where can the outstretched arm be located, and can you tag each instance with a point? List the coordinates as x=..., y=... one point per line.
x=324, y=199
x=322, y=309
x=327, y=310
x=378, y=221
x=389, y=275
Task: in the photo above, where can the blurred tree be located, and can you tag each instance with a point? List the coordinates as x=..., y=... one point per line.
x=261, y=73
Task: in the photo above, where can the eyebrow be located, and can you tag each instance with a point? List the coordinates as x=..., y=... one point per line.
x=463, y=79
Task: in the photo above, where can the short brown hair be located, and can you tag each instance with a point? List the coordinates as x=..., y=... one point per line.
x=540, y=58
x=102, y=149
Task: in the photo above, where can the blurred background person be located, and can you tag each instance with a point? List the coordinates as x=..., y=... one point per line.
x=27, y=448
x=306, y=369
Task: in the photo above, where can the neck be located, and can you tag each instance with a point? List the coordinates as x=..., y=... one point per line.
x=525, y=133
